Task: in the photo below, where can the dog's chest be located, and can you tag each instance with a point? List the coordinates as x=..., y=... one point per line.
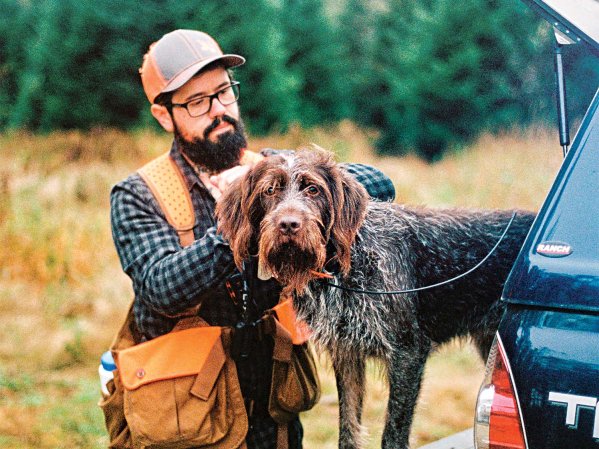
x=351, y=322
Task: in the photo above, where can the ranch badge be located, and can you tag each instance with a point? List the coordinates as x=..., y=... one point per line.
x=554, y=249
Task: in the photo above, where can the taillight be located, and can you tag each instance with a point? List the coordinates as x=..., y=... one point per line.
x=497, y=423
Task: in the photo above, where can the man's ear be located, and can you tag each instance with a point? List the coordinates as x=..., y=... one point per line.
x=161, y=114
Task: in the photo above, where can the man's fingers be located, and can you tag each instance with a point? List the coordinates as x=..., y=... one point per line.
x=212, y=188
x=223, y=180
x=217, y=184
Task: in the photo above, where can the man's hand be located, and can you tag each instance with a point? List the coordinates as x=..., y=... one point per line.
x=217, y=184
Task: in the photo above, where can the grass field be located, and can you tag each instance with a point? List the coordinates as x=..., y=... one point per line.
x=63, y=295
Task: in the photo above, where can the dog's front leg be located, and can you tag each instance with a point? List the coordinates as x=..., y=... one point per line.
x=349, y=374
x=405, y=374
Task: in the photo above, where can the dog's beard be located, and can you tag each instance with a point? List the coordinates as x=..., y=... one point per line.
x=217, y=156
x=291, y=260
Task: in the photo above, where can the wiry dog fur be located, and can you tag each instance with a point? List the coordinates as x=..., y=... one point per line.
x=304, y=213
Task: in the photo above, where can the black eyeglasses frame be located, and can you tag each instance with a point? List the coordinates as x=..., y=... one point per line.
x=235, y=86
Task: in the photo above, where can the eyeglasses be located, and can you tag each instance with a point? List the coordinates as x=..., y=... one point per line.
x=200, y=106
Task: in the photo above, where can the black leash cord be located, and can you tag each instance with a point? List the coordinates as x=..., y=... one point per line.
x=428, y=287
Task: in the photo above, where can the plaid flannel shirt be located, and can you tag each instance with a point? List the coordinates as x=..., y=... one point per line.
x=168, y=279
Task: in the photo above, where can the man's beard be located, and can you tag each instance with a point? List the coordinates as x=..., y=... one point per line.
x=215, y=157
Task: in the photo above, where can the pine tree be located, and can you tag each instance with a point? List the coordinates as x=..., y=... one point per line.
x=455, y=72
x=268, y=98
x=428, y=75
x=313, y=48
x=581, y=68
x=12, y=26
x=357, y=25
x=81, y=66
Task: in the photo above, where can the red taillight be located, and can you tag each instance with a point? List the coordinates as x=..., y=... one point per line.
x=497, y=423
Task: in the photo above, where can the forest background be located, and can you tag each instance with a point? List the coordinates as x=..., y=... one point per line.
x=453, y=100
x=428, y=75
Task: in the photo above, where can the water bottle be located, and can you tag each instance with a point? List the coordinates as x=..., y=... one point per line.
x=107, y=366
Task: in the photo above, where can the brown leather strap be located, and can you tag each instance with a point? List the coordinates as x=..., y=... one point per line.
x=204, y=382
x=283, y=344
x=166, y=182
x=189, y=322
x=168, y=186
x=283, y=436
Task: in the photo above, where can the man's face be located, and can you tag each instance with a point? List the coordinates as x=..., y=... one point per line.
x=213, y=140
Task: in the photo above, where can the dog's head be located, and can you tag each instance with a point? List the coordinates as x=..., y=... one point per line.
x=296, y=212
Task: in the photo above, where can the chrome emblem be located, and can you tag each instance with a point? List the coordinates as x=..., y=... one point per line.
x=554, y=249
x=573, y=405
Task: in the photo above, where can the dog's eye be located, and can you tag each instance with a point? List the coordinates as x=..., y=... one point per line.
x=270, y=190
x=312, y=190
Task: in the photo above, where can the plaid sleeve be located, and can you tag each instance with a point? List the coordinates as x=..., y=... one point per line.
x=377, y=184
x=170, y=278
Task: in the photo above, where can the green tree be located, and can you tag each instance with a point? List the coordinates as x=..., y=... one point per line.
x=81, y=66
x=29, y=76
x=12, y=27
x=428, y=75
x=581, y=68
x=313, y=47
x=452, y=70
x=357, y=24
x=252, y=29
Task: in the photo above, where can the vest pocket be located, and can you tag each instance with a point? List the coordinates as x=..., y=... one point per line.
x=181, y=391
x=114, y=416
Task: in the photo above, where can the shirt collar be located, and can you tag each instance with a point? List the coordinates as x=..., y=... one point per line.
x=189, y=173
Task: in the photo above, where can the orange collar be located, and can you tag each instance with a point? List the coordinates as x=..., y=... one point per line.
x=321, y=274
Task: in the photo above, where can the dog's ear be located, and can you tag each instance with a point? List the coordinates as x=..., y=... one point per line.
x=349, y=203
x=233, y=221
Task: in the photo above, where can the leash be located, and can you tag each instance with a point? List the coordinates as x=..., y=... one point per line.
x=428, y=287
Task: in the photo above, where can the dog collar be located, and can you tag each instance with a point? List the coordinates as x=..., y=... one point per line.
x=322, y=274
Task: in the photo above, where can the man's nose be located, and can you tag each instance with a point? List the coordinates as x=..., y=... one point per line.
x=216, y=108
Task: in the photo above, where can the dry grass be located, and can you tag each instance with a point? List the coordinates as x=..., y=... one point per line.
x=62, y=292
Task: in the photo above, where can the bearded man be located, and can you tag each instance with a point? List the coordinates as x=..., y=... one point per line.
x=193, y=95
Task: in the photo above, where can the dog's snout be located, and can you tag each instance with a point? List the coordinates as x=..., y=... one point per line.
x=289, y=224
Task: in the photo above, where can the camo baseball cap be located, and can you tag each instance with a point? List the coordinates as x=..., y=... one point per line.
x=176, y=57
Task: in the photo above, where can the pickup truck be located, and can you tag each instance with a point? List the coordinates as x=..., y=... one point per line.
x=541, y=385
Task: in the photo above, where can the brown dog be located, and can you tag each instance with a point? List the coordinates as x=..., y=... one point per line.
x=302, y=214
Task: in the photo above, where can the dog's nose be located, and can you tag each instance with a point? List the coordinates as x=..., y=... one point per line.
x=289, y=225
